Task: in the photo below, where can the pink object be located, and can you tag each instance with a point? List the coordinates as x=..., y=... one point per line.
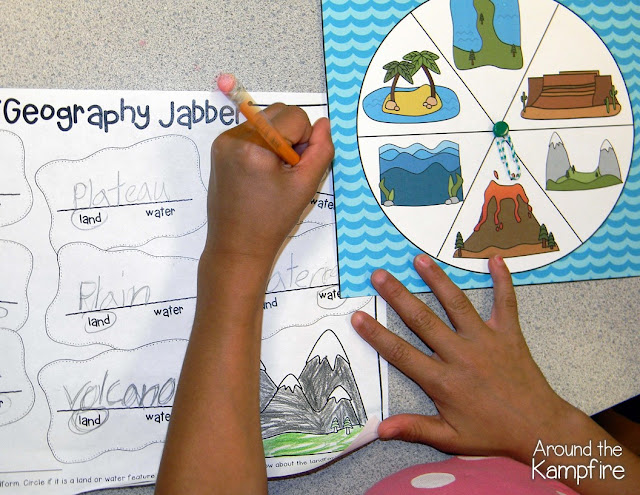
x=469, y=475
x=226, y=83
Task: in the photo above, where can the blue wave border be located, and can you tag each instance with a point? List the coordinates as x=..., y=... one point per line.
x=366, y=238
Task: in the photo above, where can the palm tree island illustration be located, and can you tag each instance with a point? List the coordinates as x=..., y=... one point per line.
x=424, y=103
x=421, y=101
x=507, y=227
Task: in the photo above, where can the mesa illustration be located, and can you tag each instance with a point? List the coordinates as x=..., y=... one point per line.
x=570, y=95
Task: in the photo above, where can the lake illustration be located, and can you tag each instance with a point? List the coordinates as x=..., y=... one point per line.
x=419, y=176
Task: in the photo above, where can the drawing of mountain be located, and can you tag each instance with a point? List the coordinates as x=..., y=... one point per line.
x=339, y=406
x=557, y=159
x=328, y=368
x=419, y=176
x=562, y=176
x=325, y=390
x=288, y=411
x=608, y=163
x=267, y=388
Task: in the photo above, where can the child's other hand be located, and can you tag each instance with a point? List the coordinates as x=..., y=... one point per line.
x=255, y=199
x=491, y=397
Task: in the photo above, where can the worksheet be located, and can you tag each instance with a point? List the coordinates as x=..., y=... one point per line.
x=102, y=221
x=466, y=129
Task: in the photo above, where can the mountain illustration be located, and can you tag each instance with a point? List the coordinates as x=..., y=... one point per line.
x=608, y=162
x=326, y=369
x=267, y=387
x=419, y=176
x=288, y=408
x=339, y=406
x=507, y=227
x=325, y=390
x=563, y=176
x=557, y=158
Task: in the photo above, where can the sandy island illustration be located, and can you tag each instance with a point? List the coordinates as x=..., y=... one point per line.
x=425, y=103
x=421, y=101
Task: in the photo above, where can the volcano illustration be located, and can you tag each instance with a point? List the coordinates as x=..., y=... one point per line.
x=507, y=227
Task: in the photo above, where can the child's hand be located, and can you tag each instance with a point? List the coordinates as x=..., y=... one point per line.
x=491, y=397
x=255, y=199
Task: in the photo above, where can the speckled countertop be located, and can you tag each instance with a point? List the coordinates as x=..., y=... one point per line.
x=589, y=352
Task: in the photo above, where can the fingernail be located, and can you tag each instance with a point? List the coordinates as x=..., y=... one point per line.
x=378, y=277
x=300, y=147
x=424, y=260
x=498, y=259
x=357, y=319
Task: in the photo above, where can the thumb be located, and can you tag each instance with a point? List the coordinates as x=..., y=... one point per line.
x=318, y=152
x=417, y=428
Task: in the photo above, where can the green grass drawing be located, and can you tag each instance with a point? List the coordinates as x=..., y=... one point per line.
x=582, y=181
x=307, y=443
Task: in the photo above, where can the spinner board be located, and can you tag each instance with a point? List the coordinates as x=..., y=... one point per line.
x=471, y=128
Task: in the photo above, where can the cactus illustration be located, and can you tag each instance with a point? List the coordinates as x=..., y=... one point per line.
x=613, y=92
x=524, y=99
x=606, y=102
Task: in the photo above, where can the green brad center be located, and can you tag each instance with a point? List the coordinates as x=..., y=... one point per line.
x=501, y=129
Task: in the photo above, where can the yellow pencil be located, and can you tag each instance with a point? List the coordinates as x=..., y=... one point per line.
x=230, y=86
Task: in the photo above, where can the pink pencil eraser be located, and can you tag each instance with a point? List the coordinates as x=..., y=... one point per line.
x=226, y=83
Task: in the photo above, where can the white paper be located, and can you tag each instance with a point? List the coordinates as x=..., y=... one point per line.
x=102, y=221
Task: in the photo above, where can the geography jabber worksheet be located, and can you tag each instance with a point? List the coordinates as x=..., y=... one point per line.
x=102, y=221
x=472, y=128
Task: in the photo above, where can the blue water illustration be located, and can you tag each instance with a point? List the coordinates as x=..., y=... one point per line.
x=419, y=176
x=374, y=102
x=465, y=23
x=507, y=21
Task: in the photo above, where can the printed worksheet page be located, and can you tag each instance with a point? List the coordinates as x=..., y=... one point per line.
x=102, y=221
